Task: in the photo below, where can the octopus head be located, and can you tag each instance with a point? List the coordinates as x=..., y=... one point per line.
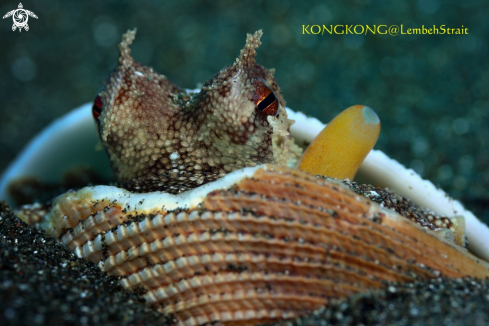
x=160, y=137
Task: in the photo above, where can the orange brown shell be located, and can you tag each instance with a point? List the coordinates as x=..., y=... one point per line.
x=275, y=245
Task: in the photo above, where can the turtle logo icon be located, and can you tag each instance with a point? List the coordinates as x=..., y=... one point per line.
x=20, y=17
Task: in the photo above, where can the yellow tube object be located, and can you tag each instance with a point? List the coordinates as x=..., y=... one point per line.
x=343, y=144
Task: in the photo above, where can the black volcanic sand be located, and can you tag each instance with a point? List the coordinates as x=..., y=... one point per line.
x=435, y=302
x=431, y=92
x=43, y=283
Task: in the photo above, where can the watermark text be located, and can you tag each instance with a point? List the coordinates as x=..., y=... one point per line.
x=392, y=30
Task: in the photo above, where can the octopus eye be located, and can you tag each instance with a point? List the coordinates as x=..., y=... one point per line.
x=265, y=100
x=97, y=108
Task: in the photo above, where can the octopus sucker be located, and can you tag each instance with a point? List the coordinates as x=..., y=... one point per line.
x=211, y=221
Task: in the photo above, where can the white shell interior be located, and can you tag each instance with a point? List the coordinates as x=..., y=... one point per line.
x=71, y=141
x=68, y=142
x=140, y=203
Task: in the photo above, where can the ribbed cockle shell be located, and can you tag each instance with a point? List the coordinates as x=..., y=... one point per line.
x=260, y=244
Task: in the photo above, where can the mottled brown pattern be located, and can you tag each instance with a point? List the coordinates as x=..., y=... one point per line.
x=158, y=137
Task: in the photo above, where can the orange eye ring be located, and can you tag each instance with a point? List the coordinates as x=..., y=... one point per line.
x=97, y=108
x=264, y=98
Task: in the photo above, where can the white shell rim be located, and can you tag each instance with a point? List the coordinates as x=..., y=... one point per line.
x=36, y=160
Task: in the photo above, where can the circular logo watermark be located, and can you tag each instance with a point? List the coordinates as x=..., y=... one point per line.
x=20, y=17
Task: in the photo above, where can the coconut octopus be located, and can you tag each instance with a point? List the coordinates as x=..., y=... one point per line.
x=219, y=216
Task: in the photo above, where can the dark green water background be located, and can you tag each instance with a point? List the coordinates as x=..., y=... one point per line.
x=430, y=91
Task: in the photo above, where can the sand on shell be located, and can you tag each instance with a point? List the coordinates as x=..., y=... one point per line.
x=43, y=283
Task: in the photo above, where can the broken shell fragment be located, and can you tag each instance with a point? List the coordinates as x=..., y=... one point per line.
x=260, y=244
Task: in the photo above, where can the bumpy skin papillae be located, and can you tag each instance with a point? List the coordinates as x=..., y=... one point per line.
x=276, y=245
x=159, y=137
x=258, y=244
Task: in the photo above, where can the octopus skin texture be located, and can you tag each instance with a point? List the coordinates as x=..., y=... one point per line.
x=213, y=222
